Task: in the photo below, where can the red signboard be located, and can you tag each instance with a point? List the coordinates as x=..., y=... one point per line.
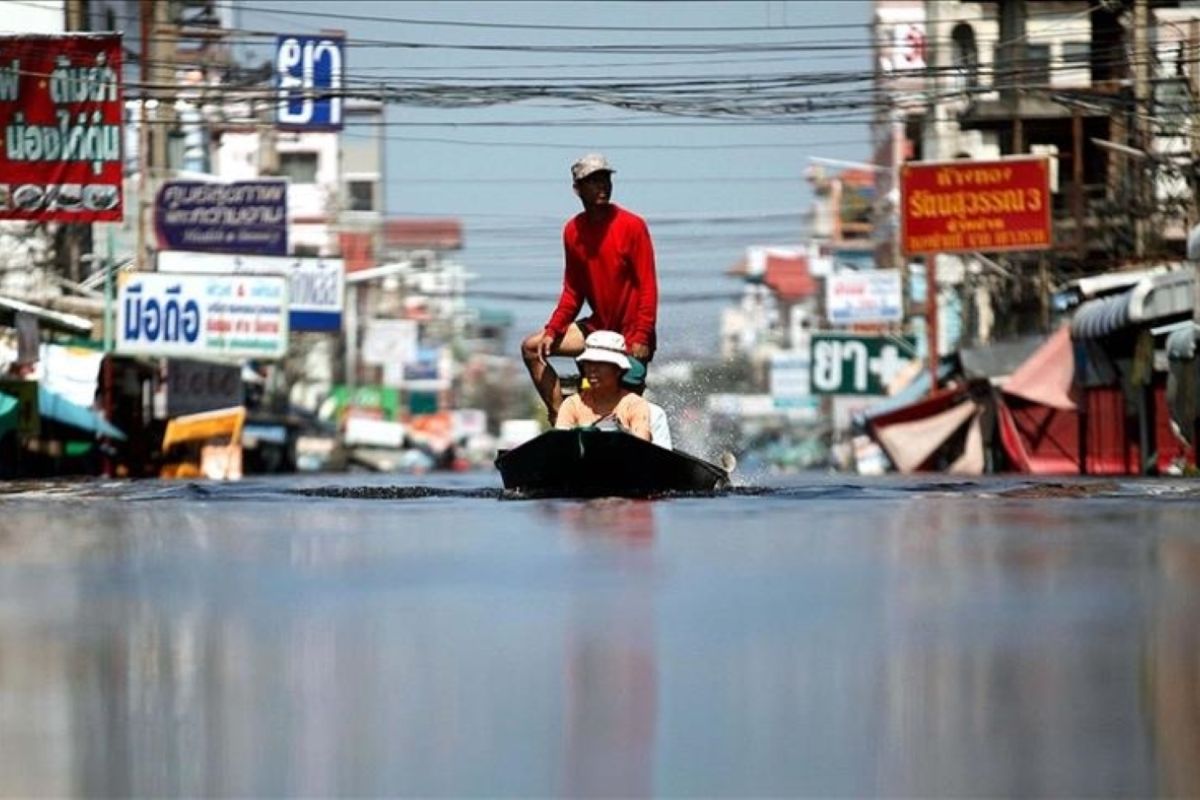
x=61, y=111
x=975, y=206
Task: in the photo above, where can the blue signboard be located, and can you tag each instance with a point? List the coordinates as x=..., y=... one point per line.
x=246, y=217
x=309, y=75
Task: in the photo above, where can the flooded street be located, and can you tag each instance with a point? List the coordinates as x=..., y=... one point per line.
x=335, y=636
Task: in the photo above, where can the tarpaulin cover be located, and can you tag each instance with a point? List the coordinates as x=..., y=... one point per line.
x=52, y=405
x=910, y=444
x=1046, y=375
x=971, y=462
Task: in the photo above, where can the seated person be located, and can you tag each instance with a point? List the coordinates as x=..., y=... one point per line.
x=602, y=400
x=634, y=380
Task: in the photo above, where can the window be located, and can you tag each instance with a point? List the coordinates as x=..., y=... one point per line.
x=1077, y=54
x=360, y=195
x=298, y=167
x=1036, y=69
x=966, y=55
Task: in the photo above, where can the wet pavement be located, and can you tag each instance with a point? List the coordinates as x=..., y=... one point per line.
x=824, y=636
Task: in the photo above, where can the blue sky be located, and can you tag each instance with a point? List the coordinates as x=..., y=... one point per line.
x=708, y=190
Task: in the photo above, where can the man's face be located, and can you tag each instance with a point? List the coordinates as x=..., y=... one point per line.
x=595, y=189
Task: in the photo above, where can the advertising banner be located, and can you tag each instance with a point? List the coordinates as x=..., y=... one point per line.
x=861, y=297
x=309, y=73
x=202, y=315
x=975, y=206
x=316, y=290
x=242, y=217
x=862, y=365
x=390, y=341
x=61, y=110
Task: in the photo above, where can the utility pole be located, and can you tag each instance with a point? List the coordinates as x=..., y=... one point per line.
x=1143, y=190
x=145, y=12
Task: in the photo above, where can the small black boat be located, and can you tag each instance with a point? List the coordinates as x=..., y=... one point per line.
x=586, y=462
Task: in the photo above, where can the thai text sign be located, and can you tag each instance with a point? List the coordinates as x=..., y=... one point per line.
x=308, y=81
x=61, y=111
x=854, y=297
x=866, y=365
x=243, y=217
x=316, y=291
x=967, y=206
x=202, y=315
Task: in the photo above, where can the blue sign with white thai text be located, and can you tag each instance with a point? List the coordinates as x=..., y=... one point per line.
x=244, y=217
x=309, y=75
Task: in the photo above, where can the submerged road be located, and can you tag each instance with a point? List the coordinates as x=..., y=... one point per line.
x=340, y=635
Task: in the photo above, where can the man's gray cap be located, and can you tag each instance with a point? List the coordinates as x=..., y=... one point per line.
x=592, y=162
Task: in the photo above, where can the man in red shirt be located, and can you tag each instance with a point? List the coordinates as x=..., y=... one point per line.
x=609, y=262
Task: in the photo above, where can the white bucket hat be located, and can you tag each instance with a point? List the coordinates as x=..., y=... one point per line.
x=605, y=346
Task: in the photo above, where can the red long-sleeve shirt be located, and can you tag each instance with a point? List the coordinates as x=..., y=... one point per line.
x=610, y=264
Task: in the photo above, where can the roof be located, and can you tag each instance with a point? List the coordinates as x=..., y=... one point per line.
x=789, y=277
x=431, y=233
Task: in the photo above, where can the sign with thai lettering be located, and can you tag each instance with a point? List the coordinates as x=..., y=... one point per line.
x=975, y=206
x=316, y=294
x=242, y=217
x=202, y=315
x=309, y=72
x=859, y=297
x=61, y=110
x=864, y=365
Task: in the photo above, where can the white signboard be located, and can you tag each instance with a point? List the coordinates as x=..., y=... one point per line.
x=390, y=341
x=316, y=295
x=202, y=315
x=791, y=385
x=858, y=297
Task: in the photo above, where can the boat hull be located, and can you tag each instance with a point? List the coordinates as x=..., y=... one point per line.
x=591, y=463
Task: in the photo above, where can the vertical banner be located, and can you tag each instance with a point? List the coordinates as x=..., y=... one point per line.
x=61, y=111
x=309, y=75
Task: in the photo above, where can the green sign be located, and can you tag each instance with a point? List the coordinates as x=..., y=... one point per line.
x=863, y=365
x=383, y=401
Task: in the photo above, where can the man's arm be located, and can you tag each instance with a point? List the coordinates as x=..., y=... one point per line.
x=572, y=297
x=642, y=252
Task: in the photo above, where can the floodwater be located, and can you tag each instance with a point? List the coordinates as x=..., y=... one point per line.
x=824, y=636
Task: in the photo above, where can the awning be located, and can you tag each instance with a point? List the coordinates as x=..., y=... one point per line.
x=1155, y=299
x=1045, y=377
x=1101, y=317
x=55, y=320
x=52, y=405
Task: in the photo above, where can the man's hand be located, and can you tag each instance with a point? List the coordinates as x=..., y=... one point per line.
x=545, y=346
x=640, y=351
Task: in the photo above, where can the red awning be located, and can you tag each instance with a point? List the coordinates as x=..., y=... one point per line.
x=1045, y=377
x=789, y=277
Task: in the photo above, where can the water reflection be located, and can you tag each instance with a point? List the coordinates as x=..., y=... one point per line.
x=930, y=646
x=610, y=701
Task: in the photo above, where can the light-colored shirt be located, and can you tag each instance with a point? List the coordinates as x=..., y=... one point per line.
x=660, y=429
x=631, y=412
